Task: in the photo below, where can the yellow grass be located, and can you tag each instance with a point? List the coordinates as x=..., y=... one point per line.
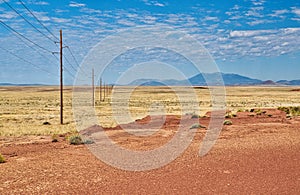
x=25, y=109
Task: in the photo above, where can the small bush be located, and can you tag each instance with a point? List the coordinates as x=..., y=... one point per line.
x=270, y=115
x=2, y=159
x=46, y=123
x=291, y=110
x=54, y=138
x=75, y=139
x=227, y=122
x=228, y=115
x=196, y=126
x=240, y=110
x=195, y=116
x=252, y=110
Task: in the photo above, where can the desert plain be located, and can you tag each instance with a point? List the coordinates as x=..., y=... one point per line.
x=257, y=151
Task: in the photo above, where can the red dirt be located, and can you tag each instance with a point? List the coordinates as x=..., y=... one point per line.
x=258, y=154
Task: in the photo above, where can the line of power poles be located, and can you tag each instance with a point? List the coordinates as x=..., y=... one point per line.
x=104, y=90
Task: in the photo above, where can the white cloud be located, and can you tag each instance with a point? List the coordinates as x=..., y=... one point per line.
x=38, y=2
x=75, y=4
x=236, y=7
x=296, y=19
x=261, y=21
x=60, y=20
x=8, y=15
x=296, y=11
x=249, y=33
x=210, y=18
x=279, y=13
x=90, y=11
x=126, y=22
x=154, y=3
x=258, y=2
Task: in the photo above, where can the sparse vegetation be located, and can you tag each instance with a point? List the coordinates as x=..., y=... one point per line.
x=227, y=122
x=196, y=126
x=25, y=109
x=228, y=115
x=2, y=159
x=291, y=110
x=75, y=139
x=54, y=138
x=195, y=116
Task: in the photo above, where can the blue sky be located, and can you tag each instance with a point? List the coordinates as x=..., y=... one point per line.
x=255, y=38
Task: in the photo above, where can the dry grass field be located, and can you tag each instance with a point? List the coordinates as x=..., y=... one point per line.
x=257, y=154
x=25, y=109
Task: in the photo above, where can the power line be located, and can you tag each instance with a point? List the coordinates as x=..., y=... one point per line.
x=10, y=28
x=76, y=60
x=27, y=21
x=36, y=66
x=70, y=64
x=37, y=19
x=46, y=57
x=73, y=56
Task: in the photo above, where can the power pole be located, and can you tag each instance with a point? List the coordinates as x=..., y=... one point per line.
x=61, y=78
x=93, y=89
x=104, y=91
x=100, y=89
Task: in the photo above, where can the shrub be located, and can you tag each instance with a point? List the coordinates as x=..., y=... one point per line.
x=46, y=123
x=196, y=126
x=195, y=116
x=291, y=110
x=75, y=139
x=227, y=122
x=252, y=110
x=270, y=115
x=2, y=159
x=258, y=111
x=54, y=138
x=228, y=115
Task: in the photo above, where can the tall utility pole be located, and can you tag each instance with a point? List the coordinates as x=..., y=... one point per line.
x=61, y=78
x=104, y=91
x=93, y=89
x=100, y=89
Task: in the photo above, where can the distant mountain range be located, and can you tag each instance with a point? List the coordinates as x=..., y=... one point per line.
x=199, y=80
x=23, y=85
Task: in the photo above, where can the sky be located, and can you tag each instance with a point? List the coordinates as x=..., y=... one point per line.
x=255, y=38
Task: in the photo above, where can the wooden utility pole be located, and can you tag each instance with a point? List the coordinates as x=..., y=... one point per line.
x=93, y=89
x=104, y=91
x=61, y=78
x=100, y=89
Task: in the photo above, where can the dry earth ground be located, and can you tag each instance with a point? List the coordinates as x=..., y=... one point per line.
x=256, y=155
